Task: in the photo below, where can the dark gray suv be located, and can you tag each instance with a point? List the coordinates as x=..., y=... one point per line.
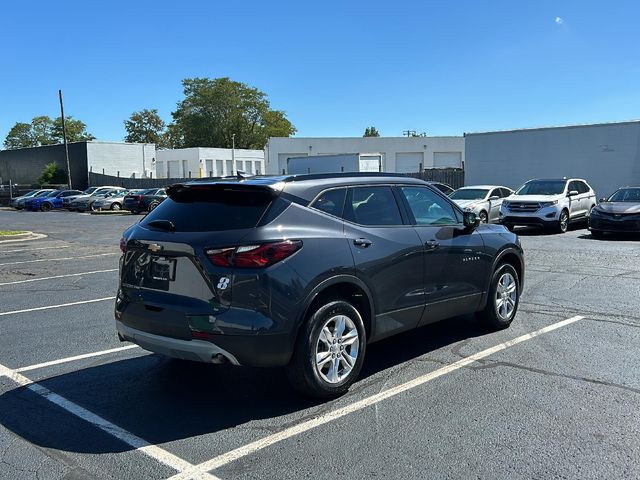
x=305, y=271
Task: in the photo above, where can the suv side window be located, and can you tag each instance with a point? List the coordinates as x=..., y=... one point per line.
x=428, y=207
x=505, y=192
x=582, y=187
x=331, y=201
x=375, y=206
x=495, y=193
x=573, y=185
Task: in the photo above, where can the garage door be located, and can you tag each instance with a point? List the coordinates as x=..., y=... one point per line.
x=447, y=159
x=173, y=169
x=409, y=162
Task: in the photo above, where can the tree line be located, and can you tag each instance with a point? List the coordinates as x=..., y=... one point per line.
x=216, y=112
x=213, y=113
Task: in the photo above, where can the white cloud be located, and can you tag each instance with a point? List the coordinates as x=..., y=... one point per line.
x=559, y=20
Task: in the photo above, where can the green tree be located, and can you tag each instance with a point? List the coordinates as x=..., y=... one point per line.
x=76, y=130
x=19, y=136
x=145, y=126
x=44, y=131
x=371, y=132
x=52, y=174
x=214, y=110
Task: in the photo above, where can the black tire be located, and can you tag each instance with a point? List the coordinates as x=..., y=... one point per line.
x=563, y=222
x=597, y=234
x=45, y=207
x=303, y=373
x=93, y=209
x=484, y=218
x=115, y=206
x=135, y=212
x=490, y=315
x=153, y=205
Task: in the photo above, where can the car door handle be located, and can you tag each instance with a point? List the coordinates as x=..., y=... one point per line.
x=361, y=242
x=432, y=244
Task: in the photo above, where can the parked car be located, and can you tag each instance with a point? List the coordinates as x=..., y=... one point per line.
x=53, y=200
x=85, y=202
x=304, y=271
x=109, y=202
x=18, y=202
x=145, y=200
x=443, y=187
x=553, y=203
x=618, y=213
x=89, y=191
x=484, y=200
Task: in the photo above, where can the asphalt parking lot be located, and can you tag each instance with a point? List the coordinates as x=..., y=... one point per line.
x=555, y=396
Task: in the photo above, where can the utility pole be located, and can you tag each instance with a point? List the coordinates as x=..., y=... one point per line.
x=233, y=153
x=64, y=137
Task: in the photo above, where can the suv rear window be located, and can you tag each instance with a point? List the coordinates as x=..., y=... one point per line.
x=206, y=210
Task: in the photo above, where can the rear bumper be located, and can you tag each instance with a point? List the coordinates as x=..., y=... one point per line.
x=196, y=350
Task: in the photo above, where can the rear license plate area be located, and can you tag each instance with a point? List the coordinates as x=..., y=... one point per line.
x=162, y=269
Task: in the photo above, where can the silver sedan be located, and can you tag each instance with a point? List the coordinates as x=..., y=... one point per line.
x=483, y=200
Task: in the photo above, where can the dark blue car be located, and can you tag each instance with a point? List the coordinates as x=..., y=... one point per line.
x=50, y=201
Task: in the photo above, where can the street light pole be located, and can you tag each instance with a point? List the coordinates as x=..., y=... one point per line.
x=64, y=137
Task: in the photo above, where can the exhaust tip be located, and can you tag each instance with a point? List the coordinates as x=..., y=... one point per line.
x=219, y=359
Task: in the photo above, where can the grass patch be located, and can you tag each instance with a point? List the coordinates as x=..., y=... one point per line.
x=8, y=233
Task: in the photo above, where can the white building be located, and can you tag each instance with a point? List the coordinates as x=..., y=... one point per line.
x=122, y=159
x=198, y=162
x=606, y=155
x=396, y=154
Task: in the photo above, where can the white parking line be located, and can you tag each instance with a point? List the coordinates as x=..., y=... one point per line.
x=224, y=459
x=74, y=358
x=35, y=309
x=106, y=426
x=59, y=259
x=59, y=276
x=38, y=248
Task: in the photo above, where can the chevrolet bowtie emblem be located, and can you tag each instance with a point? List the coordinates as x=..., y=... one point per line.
x=154, y=247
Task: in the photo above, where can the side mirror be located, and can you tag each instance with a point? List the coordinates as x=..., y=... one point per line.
x=572, y=193
x=470, y=220
x=494, y=197
x=602, y=200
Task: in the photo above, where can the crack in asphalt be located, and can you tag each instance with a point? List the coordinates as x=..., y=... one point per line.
x=489, y=364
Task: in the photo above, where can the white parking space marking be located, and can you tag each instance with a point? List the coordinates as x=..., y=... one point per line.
x=129, y=438
x=35, y=309
x=74, y=358
x=32, y=249
x=224, y=459
x=60, y=259
x=59, y=276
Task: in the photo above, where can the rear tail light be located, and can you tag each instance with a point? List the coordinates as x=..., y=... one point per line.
x=253, y=256
x=123, y=245
x=139, y=198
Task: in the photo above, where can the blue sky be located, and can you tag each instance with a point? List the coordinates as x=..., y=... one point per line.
x=335, y=67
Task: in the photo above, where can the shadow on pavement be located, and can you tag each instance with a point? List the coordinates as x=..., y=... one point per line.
x=611, y=236
x=162, y=400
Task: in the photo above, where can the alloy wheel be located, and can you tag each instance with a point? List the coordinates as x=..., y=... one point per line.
x=506, y=296
x=337, y=349
x=564, y=221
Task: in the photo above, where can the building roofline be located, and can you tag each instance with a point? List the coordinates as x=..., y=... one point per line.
x=553, y=127
x=367, y=138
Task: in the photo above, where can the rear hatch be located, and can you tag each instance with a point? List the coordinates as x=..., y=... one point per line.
x=169, y=285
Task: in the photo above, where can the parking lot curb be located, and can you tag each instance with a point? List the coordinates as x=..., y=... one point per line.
x=23, y=237
x=111, y=212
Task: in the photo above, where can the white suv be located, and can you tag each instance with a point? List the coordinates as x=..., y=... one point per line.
x=548, y=203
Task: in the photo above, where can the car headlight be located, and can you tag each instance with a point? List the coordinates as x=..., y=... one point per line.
x=595, y=211
x=548, y=204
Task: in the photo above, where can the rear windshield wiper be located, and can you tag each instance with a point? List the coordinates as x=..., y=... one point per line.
x=163, y=225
